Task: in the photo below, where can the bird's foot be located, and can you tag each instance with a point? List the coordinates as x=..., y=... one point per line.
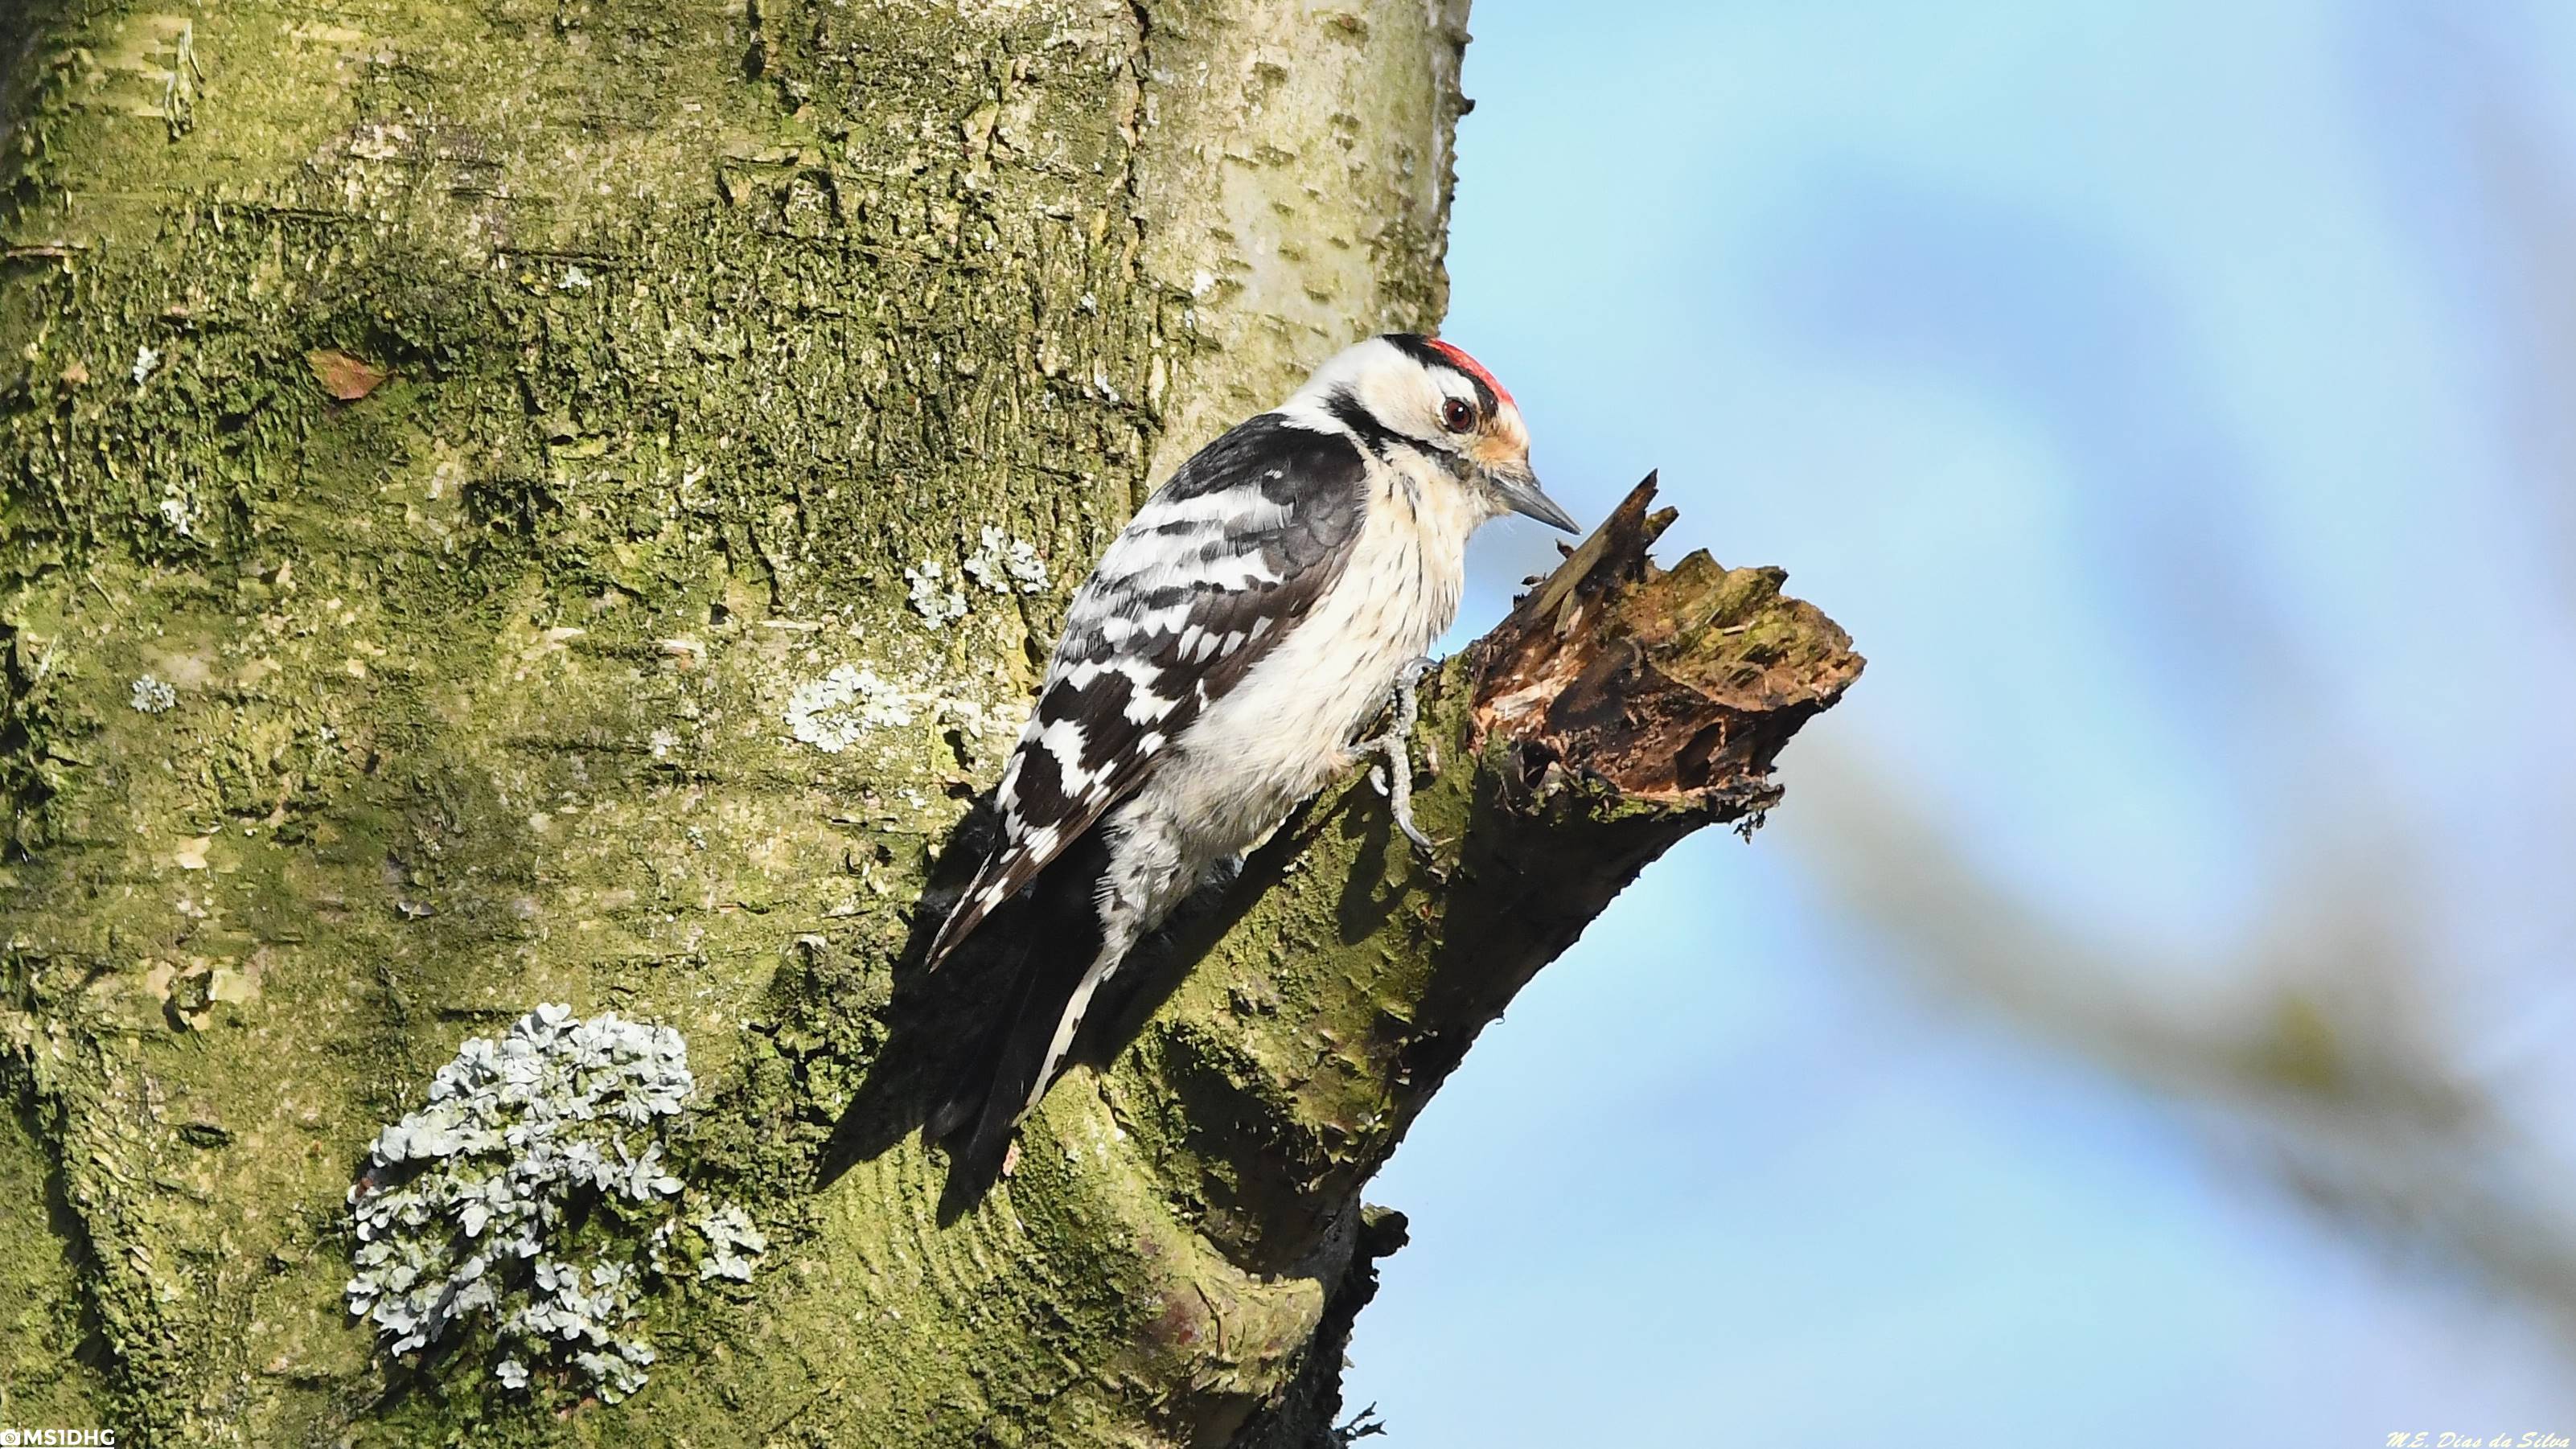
x=1395, y=778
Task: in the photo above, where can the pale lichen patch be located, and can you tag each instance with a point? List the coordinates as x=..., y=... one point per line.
x=535, y=1190
x=1006, y=565
x=833, y=712
x=178, y=512
x=932, y=596
x=151, y=694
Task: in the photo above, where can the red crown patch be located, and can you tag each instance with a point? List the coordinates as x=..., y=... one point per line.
x=1473, y=368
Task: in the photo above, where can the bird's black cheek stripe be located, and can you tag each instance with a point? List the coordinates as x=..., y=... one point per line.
x=1376, y=436
x=1382, y=440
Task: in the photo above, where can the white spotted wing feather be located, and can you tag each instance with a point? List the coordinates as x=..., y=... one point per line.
x=1220, y=564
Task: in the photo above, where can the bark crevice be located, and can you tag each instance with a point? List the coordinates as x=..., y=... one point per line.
x=592, y=623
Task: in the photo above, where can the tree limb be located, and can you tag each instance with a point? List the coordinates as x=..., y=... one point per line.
x=592, y=630
x=1271, y=1052
x=1620, y=707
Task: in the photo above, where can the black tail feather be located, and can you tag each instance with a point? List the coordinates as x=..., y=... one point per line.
x=1059, y=928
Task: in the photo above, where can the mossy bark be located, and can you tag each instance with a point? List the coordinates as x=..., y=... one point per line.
x=440, y=442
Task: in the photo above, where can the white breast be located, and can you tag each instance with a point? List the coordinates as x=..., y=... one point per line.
x=1282, y=733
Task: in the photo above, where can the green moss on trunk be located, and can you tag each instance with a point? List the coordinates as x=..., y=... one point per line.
x=501, y=507
x=476, y=423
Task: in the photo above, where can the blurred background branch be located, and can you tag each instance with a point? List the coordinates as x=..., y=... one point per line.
x=2148, y=1014
x=2320, y=1060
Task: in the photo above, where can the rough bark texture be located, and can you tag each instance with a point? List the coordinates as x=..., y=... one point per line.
x=482, y=419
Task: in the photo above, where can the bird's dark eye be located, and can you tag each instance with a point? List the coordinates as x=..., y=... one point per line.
x=1456, y=416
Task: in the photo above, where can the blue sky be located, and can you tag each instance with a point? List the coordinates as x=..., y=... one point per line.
x=2153, y=391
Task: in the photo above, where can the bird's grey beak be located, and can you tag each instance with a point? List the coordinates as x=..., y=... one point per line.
x=1521, y=493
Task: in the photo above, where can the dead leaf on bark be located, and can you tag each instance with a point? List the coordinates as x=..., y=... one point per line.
x=344, y=377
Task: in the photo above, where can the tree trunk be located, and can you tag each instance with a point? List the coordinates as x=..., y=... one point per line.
x=514, y=503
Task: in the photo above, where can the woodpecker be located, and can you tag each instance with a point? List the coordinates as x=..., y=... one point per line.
x=1216, y=668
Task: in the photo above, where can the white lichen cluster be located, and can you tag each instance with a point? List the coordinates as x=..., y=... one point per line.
x=732, y=1242
x=178, y=512
x=933, y=597
x=982, y=720
x=832, y=712
x=147, y=359
x=1006, y=565
x=152, y=694
x=533, y=1190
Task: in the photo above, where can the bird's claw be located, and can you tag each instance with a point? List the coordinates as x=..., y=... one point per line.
x=1395, y=778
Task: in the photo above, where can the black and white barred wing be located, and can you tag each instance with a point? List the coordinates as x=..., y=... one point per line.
x=1211, y=573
